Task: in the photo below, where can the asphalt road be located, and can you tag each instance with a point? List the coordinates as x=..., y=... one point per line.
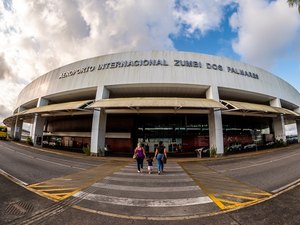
x=32, y=166
x=270, y=172
x=109, y=188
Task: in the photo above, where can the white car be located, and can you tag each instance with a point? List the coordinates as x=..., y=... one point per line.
x=250, y=146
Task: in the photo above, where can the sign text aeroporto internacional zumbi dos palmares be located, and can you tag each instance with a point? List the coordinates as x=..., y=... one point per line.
x=158, y=62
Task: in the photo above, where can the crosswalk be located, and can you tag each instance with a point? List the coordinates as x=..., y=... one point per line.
x=61, y=188
x=226, y=192
x=132, y=194
x=184, y=190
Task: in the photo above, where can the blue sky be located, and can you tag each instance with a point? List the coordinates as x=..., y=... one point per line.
x=39, y=36
x=214, y=42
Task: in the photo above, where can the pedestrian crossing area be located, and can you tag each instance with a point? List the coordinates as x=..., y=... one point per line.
x=226, y=192
x=184, y=190
x=131, y=194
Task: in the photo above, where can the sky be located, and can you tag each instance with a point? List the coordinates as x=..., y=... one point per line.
x=37, y=36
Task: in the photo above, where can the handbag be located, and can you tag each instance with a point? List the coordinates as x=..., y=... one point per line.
x=164, y=159
x=134, y=156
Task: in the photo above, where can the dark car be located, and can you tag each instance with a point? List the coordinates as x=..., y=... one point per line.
x=235, y=147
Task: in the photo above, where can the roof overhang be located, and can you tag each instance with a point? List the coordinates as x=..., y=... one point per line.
x=151, y=103
x=60, y=109
x=235, y=107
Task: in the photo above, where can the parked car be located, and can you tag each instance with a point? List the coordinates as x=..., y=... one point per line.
x=250, y=146
x=235, y=147
x=292, y=139
x=52, y=143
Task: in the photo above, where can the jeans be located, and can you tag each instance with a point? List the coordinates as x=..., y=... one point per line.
x=160, y=165
x=140, y=163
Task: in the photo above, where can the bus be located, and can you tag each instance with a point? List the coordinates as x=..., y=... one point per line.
x=3, y=132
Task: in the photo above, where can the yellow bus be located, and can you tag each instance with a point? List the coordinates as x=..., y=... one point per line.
x=3, y=132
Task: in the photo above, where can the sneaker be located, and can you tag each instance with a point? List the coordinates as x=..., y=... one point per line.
x=158, y=172
x=139, y=171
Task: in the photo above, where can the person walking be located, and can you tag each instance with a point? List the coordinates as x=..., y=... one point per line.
x=139, y=151
x=160, y=152
x=150, y=164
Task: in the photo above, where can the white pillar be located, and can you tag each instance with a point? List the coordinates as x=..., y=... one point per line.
x=278, y=122
x=38, y=125
x=12, y=129
x=99, y=124
x=298, y=124
x=215, y=123
x=17, y=135
x=279, y=128
x=298, y=129
x=17, y=128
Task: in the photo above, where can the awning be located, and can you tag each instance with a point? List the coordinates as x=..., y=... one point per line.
x=149, y=102
x=66, y=106
x=286, y=111
x=53, y=109
x=252, y=107
x=246, y=106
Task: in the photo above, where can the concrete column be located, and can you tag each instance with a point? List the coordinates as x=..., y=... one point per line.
x=99, y=124
x=12, y=129
x=38, y=125
x=275, y=103
x=17, y=128
x=215, y=123
x=279, y=128
x=298, y=129
x=298, y=124
x=278, y=122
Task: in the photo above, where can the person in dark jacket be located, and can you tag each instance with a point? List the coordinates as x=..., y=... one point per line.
x=160, y=153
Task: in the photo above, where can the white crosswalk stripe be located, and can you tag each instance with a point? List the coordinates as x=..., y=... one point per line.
x=129, y=193
x=145, y=189
x=145, y=202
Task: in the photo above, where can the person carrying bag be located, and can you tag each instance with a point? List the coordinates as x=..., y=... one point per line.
x=140, y=155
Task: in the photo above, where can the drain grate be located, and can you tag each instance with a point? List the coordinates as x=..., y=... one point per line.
x=18, y=208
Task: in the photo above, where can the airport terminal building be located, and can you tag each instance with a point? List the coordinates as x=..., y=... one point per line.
x=187, y=100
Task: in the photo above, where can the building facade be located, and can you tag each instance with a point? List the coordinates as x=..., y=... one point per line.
x=187, y=100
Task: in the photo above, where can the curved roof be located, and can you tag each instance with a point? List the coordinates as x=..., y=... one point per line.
x=159, y=74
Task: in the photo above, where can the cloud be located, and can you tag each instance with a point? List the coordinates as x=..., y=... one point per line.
x=38, y=36
x=266, y=31
x=4, y=112
x=5, y=71
x=117, y=25
x=201, y=16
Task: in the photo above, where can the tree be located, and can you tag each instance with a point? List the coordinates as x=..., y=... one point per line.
x=294, y=2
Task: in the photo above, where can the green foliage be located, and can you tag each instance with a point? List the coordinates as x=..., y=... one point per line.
x=213, y=151
x=87, y=150
x=294, y=2
x=279, y=143
x=29, y=141
x=226, y=150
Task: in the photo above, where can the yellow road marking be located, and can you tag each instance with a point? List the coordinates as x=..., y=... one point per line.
x=226, y=192
x=63, y=187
